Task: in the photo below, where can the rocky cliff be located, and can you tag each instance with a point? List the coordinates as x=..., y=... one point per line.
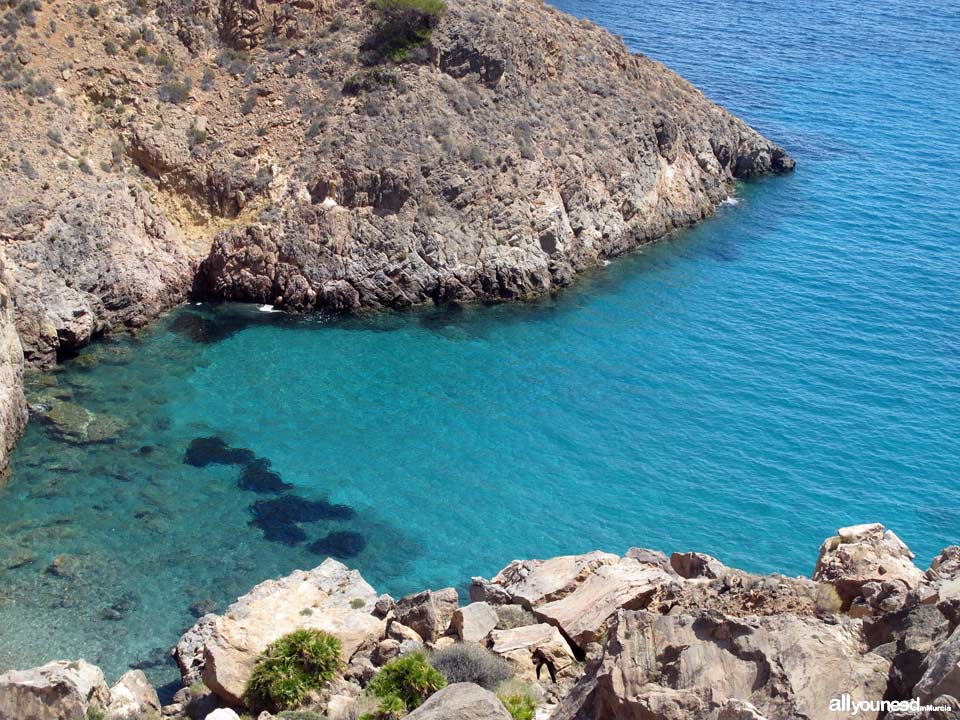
x=598, y=636
x=330, y=154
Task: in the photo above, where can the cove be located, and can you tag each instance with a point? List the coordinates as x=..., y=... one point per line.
x=741, y=389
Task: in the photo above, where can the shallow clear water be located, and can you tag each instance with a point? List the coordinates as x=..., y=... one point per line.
x=742, y=389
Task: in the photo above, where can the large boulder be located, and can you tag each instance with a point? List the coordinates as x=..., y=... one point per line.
x=584, y=614
x=461, y=701
x=473, y=622
x=693, y=666
x=59, y=690
x=428, y=613
x=133, y=698
x=534, y=582
x=537, y=652
x=330, y=597
x=871, y=568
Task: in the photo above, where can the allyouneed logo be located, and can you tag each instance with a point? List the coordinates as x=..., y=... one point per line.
x=846, y=704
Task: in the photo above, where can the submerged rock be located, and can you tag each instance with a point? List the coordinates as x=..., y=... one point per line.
x=342, y=544
x=280, y=517
x=259, y=478
x=215, y=451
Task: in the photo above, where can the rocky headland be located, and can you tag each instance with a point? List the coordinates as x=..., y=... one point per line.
x=295, y=152
x=589, y=637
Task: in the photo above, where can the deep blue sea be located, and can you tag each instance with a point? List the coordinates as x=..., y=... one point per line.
x=744, y=388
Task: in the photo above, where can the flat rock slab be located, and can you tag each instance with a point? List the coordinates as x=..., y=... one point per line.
x=331, y=598
x=583, y=614
x=533, y=647
x=534, y=582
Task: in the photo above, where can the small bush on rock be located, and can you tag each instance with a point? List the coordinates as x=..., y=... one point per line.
x=409, y=679
x=472, y=663
x=518, y=699
x=404, y=25
x=291, y=667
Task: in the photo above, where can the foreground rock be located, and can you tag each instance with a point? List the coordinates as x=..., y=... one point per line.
x=330, y=598
x=708, y=665
x=133, y=698
x=13, y=404
x=60, y=690
x=463, y=701
x=871, y=569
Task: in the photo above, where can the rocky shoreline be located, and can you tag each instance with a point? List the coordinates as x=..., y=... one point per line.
x=269, y=154
x=590, y=637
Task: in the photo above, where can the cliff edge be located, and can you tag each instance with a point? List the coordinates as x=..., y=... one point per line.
x=332, y=154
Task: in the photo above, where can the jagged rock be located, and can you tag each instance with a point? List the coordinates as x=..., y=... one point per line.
x=133, y=698
x=679, y=666
x=942, y=675
x=864, y=554
x=473, y=622
x=13, y=404
x=906, y=638
x=697, y=565
x=463, y=701
x=384, y=606
x=427, y=613
x=108, y=258
x=59, y=690
x=234, y=640
x=651, y=557
x=538, y=652
x=189, y=650
x=385, y=651
x=584, y=613
x=534, y=582
x=400, y=632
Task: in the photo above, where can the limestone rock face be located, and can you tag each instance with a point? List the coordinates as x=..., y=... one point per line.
x=942, y=677
x=870, y=568
x=233, y=641
x=580, y=594
x=13, y=405
x=133, y=698
x=60, y=690
x=428, y=613
x=461, y=701
x=673, y=666
x=107, y=259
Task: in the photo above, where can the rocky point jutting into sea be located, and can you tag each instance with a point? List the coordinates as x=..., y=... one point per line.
x=274, y=153
x=589, y=637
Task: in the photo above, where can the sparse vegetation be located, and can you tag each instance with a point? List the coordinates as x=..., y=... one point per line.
x=291, y=667
x=469, y=662
x=404, y=25
x=175, y=91
x=368, y=81
x=518, y=699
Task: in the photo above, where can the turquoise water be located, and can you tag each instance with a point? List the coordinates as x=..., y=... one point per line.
x=743, y=388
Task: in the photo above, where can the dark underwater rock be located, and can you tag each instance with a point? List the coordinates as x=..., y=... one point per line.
x=340, y=544
x=259, y=478
x=280, y=517
x=214, y=451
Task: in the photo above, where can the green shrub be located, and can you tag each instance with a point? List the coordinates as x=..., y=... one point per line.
x=518, y=699
x=175, y=91
x=368, y=81
x=291, y=667
x=410, y=679
x=404, y=25
x=472, y=663
x=300, y=715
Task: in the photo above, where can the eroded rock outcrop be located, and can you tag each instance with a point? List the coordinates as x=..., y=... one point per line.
x=784, y=666
x=331, y=598
x=60, y=690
